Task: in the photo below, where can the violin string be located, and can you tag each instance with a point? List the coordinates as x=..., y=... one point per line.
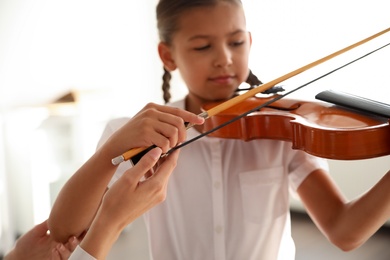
x=269, y=102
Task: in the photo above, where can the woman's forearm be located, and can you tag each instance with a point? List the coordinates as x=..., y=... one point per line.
x=100, y=237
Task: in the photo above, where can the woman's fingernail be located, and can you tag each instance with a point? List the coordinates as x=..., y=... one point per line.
x=155, y=153
x=73, y=240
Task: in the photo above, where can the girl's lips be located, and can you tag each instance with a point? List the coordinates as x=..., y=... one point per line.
x=222, y=79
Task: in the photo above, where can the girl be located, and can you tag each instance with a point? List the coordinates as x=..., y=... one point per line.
x=229, y=199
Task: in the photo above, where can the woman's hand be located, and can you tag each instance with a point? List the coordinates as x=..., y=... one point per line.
x=127, y=199
x=37, y=244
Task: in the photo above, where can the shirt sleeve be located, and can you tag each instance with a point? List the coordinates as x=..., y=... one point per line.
x=303, y=164
x=81, y=254
x=110, y=129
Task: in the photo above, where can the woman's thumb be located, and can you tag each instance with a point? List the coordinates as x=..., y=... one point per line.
x=147, y=161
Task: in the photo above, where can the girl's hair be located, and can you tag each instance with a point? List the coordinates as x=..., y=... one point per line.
x=168, y=13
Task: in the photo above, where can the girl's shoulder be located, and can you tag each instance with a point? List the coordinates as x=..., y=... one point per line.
x=111, y=126
x=117, y=122
x=178, y=103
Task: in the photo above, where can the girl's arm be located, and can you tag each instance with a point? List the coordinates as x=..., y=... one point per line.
x=79, y=199
x=347, y=224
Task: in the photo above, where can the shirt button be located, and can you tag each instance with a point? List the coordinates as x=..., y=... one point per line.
x=218, y=229
x=217, y=184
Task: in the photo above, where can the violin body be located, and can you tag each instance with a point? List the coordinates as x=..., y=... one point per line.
x=318, y=128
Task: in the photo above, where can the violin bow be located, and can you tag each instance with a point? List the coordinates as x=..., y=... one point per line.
x=238, y=99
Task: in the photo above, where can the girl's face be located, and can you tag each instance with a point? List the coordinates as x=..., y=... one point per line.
x=210, y=50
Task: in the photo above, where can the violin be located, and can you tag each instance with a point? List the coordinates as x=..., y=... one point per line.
x=318, y=128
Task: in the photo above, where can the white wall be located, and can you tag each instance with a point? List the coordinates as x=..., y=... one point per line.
x=54, y=46
x=106, y=51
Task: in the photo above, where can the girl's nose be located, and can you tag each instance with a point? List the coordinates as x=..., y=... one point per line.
x=223, y=57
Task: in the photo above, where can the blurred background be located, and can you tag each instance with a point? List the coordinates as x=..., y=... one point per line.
x=67, y=67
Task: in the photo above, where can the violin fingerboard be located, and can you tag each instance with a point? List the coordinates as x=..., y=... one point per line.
x=355, y=102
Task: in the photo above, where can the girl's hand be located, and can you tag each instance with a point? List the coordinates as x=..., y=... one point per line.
x=158, y=125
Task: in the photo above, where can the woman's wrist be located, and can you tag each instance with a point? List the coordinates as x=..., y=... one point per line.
x=100, y=237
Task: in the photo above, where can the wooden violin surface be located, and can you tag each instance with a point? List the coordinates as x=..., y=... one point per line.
x=318, y=128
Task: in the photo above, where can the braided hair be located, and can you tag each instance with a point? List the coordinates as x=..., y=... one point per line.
x=166, y=86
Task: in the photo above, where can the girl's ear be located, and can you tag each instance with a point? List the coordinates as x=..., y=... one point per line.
x=250, y=38
x=166, y=56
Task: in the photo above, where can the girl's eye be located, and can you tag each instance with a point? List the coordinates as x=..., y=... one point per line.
x=202, y=48
x=238, y=43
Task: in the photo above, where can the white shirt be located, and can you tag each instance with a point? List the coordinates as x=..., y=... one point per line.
x=80, y=254
x=226, y=199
